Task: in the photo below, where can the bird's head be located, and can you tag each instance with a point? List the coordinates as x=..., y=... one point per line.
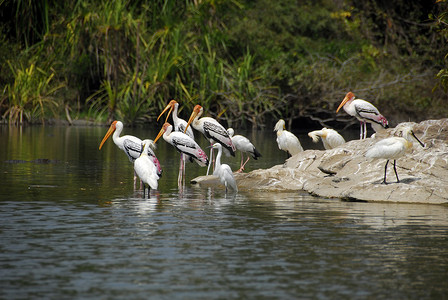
x=111, y=130
x=165, y=128
x=170, y=106
x=231, y=132
x=408, y=132
x=216, y=146
x=350, y=96
x=197, y=111
x=280, y=125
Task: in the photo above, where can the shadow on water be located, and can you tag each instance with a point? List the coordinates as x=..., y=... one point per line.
x=72, y=225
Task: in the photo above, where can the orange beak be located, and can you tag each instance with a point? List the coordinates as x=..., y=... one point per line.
x=161, y=132
x=108, y=133
x=349, y=96
x=195, y=112
x=170, y=106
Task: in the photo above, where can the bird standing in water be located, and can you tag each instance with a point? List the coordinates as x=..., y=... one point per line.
x=145, y=169
x=365, y=112
x=131, y=145
x=212, y=130
x=185, y=145
x=393, y=148
x=223, y=171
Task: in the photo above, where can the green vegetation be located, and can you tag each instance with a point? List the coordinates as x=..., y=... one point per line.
x=248, y=62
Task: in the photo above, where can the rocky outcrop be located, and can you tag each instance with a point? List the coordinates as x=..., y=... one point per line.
x=345, y=172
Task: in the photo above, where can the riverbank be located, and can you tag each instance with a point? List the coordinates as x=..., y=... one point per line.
x=345, y=172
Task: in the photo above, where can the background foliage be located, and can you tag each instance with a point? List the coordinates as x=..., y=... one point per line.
x=247, y=62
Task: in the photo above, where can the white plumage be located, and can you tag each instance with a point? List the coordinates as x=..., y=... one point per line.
x=365, y=112
x=212, y=130
x=393, y=148
x=179, y=124
x=244, y=145
x=330, y=137
x=185, y=145
x=286, y=140
x=145, y=169
x=223, y=171
x=131, y=145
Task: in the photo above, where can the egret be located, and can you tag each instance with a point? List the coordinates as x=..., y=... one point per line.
x=393, y=148
x=223, y=171
x=365, y=112
x=185, y=145
x=330, y=137
x=131, y=145
x=145, y=168
x=243, y=144
x=212, y=130
x=286, y=140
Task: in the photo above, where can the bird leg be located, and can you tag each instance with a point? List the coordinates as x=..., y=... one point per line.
x=179, y=177
x=242, y=167
x=385, y=170
x=211, y=160
x=395, y=169
x=365, y=130
x=360, y=130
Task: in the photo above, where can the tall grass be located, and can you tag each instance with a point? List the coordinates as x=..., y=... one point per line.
x=31, y=95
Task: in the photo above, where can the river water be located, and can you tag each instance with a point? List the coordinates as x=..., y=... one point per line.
x=72, y=226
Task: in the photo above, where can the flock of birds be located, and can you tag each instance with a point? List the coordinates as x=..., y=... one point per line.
x=181, y=136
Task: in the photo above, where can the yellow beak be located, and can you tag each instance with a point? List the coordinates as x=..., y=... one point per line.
x=192, y=117
x=161, y=132
x=108, y=134
x=170, y=106
x=342, y=103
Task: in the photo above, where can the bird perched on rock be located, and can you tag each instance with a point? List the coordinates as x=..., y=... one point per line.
x=286, y=140
x=244, y=145
x=365, y=112
x=393, y=148
x=223, y=171
x=145, y=169
x=330, y=137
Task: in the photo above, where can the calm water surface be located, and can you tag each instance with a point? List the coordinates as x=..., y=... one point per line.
x=72, y=226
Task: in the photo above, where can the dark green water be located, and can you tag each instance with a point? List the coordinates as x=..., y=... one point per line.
x=72, y=226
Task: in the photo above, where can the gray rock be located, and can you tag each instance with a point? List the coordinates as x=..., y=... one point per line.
x=345, y=172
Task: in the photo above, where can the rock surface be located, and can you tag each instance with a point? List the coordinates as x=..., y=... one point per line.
x=345, y=172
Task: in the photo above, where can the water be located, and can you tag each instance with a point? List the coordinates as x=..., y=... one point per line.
x=72, y=226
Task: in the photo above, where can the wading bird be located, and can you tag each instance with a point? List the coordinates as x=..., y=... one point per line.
x=286, y=140
x=212, y=130
x=393, y=148
x=223, y=171
x=145, y=169
x=243, y=144
x=178, y=123
x=365, y=112
x=131, y=145
x=185, y=145
x=330, y=137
